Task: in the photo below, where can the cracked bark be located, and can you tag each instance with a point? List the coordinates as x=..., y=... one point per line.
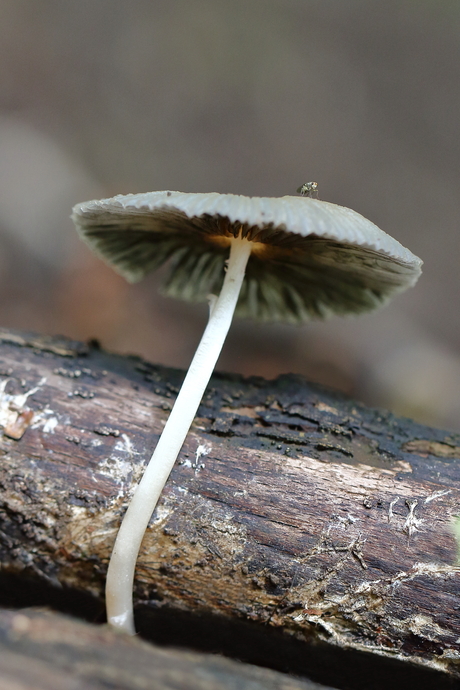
x=294, y=515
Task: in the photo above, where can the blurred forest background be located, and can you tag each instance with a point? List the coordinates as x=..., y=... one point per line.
x=100, y=97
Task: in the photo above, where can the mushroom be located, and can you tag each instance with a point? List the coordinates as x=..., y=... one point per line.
x=288, y=258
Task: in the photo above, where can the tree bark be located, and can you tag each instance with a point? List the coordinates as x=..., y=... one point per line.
x=294, y=515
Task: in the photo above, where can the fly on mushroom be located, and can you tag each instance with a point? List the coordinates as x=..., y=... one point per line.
x=289, y=258
x=309, y=189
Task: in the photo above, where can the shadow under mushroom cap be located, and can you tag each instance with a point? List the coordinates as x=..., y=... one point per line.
x=311, y=259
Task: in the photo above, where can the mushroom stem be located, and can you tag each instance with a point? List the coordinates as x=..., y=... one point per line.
x=120, y=574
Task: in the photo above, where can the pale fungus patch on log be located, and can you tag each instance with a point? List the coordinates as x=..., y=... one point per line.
x=290, y=258
x=15, y=416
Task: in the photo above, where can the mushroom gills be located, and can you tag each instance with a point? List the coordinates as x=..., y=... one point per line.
x=292, y=278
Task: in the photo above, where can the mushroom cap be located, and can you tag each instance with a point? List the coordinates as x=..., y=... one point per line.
x=311, y=258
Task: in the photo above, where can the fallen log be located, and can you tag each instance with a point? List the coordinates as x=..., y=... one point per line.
x=293, y=514
x=45, y=651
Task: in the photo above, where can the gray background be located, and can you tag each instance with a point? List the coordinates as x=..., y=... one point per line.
x=99, y=97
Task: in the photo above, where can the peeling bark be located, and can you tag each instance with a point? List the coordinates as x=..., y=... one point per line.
x=291, y=506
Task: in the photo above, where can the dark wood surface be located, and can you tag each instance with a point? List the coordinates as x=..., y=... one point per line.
x=293, y=515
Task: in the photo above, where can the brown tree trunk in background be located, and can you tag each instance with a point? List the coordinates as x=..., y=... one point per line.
x=298, y=529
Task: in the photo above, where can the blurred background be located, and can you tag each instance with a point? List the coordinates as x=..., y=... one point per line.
x=100, y=97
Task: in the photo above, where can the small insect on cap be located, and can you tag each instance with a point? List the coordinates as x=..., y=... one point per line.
x=309, y=189
x=310, y=259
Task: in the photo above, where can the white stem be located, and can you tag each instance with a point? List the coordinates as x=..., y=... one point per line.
x=120, y=575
